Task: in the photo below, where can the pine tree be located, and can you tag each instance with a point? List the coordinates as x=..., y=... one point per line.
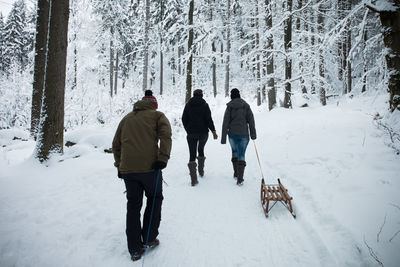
x=2, y=44
x=14, y=36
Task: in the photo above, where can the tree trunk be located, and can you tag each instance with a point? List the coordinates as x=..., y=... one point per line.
x=322, y=91
x=287, y=103
x=111, y=60
x=270, y=58
x=257, y=48
x=116, y=73
x=365, y=66
x=301, y=69
x=51, y=133
x=146, y=45
x=42, y=22
x=390, y=19
x=214, y=52
x=348, y=47
x=161, y=50
x=228, y=48
x=190, y=61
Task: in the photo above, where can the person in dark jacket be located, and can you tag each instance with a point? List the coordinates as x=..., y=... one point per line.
x=196, y=119
x=238, y=120
x=139, y=160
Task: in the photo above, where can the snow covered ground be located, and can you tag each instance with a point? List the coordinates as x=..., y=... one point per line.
x=343, y=178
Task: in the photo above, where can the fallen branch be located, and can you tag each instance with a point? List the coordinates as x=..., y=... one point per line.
x=380, y=230
x=372, y=253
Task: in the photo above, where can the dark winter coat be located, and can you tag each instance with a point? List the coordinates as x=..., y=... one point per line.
x=135, y=144
x=238, y=119
x=196, y=117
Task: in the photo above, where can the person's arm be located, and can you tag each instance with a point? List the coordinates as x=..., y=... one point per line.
x=210, y=122
x=225, y=125
x=252, y=125
x=185, y=117
x=164, y=135
x=116, y=146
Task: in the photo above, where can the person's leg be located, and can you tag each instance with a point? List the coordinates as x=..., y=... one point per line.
x=154, y=195
x=242, y=143
x=134, y=195
x=241, y=164
x=201, y=158
x=192, y=140
x=202, y=142
x=233, y=141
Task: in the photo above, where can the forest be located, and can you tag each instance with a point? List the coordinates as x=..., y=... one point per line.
x=273, y=50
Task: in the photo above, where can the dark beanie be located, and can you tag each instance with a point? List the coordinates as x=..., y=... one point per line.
x=148, y=93
x=198, y=92
x=235, y=93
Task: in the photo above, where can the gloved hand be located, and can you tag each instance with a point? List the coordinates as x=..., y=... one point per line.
x=159, y=165
x=215, y=135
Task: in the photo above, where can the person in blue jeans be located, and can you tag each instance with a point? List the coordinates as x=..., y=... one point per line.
x=238, y=124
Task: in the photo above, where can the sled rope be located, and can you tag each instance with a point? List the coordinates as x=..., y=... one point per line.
x=258, y=158
x=151, y=214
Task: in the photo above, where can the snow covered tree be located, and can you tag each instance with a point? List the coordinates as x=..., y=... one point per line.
x=15, y=37
x=51, y=131
x=2, y=44
x=389, y=13
x=42, y=22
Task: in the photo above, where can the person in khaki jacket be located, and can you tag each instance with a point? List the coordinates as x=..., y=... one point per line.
x=139, y=160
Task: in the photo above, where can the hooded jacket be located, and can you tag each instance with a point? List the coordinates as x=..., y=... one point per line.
x=135, y=145
x=238, y=120
x=196, y=117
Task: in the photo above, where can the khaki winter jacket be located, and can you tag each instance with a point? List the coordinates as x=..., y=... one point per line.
x=135, y=144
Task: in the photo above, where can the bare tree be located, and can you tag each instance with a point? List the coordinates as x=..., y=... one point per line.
x=322, y=91
x=51, y=132
x=42, y=22
x=111, y=60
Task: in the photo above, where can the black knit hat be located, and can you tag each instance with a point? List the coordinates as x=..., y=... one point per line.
x=198, y=92
x=148, y=93
x=235, y=93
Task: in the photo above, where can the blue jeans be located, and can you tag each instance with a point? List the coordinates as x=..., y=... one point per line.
x=238, y=144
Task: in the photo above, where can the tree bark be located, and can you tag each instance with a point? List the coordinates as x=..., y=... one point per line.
x=287, y=103
x=228, y=49
x=116, y=68
x=322, y=91
x=258, y=66
x=111, y=60
x=51, y=133
x=42, y=22
x=190, y=61
x=146, y=45
x=270, y=58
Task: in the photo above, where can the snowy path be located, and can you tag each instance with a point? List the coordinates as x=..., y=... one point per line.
x=332, y=160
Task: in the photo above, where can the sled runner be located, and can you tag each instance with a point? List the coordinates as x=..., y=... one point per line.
x=275, y=193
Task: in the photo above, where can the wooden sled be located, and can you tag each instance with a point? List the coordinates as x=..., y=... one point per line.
x=275, y=193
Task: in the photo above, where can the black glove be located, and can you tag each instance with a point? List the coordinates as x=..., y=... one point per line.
x=159, y=165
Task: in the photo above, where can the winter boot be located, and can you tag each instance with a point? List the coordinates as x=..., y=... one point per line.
x=193, y=172
x=234, y=163
x=200, y=161
x=241, y=164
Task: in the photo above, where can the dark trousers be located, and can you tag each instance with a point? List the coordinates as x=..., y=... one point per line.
x=196, y=142
x=136, y=184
